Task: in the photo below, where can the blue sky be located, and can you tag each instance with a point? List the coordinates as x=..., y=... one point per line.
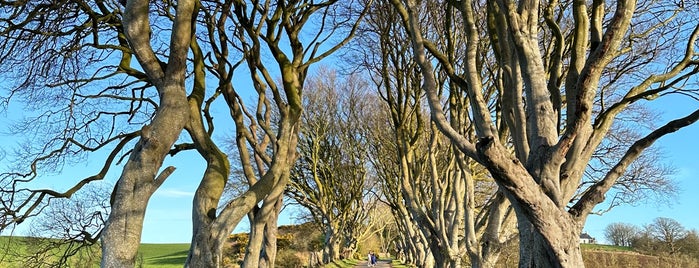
x=682, y=152
x=168, y=219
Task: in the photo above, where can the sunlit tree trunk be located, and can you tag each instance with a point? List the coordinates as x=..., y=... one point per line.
x=256, y=237
x=269, y=251
x=266, y=144
x=262, y=243
x=331, y=248
x=543, y=174
x=139, y=179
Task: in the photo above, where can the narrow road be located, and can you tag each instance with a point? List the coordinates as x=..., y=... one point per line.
x=379, y=264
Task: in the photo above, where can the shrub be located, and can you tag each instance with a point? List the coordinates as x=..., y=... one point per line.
x=287, y=259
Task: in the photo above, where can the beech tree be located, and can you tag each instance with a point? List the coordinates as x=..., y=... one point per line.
x=296, y=34
x=331, y=177
x=450, y=198
x=565, y=73
x=72, y=64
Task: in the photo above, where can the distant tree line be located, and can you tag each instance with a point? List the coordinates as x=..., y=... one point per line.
x=662, y=236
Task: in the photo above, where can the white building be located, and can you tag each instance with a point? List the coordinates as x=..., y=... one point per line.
x=587, y=239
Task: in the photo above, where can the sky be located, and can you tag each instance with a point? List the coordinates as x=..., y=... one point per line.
x=168, y=218
x=682, y=152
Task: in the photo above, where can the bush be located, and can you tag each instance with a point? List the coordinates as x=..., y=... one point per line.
x=287, y=259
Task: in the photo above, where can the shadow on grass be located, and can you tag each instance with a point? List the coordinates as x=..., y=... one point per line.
x=174, y=258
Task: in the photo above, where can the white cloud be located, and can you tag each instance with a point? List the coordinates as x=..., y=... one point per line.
x=169, y=192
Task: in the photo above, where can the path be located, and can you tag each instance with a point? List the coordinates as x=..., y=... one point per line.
x=379, y=264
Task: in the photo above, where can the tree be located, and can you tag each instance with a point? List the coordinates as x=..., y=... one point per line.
x=450, y=198
x=668, y=232
x=564, y=74
x=287, y=31
x=73, y=43
x=101, y=100
x=620, y=234
x=331, y=177
x=67, y=234
x=689, y=244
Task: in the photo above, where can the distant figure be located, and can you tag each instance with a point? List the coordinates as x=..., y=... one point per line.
x=371, y=258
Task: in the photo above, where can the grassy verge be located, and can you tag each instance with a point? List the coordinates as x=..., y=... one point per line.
x=604, y=247
x=163, y=255
x=13, y=252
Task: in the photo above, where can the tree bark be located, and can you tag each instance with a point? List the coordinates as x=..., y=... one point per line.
x=331, y=247
x=269, y=251
x=204, y=243
x=256, y=237
x=122, y=232
x=261, y=250
x=205, y=249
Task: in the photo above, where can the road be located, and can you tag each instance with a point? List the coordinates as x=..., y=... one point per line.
x=379, y=264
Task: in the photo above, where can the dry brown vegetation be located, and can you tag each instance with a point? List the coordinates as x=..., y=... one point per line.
x=631, y=259
x=606, y=256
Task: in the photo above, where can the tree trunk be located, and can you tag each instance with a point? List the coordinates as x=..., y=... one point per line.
x=331, y=249
x=206, y=245
x=535, y=251
x=122, y=231
x=256, y=237
x=205, y=250
x=259, y=221
x=478, y=261
x=269, y=250
x=211, y=230
x=484, y=258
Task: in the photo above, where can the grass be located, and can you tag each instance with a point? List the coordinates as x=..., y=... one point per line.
x=11, y=248
x=605, y=247
x=398, y=265
x=349, y=263
x=174, y=255
x=163, y=255
x=150, y=255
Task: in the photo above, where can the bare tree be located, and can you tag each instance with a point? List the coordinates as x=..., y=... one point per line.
x=668, y=232
x=67, y=233
x=565, y=72
x=71, y=48
x=689, y=244
x=620, y=234
x=295, y=34
x=331, y=176
x=101, y=99
x=452, y=201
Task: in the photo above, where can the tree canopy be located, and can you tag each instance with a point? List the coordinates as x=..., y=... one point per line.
x=490, y=112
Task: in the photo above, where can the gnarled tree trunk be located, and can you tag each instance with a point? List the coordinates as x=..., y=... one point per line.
x=139, y=179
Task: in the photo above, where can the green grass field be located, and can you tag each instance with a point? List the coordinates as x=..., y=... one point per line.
x=12, y=250
x=163, y=255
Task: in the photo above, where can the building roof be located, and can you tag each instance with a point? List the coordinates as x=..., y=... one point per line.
x=585, y=236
